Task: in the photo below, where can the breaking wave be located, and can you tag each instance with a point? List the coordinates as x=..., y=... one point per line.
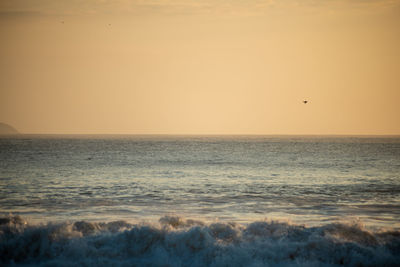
x=175, y=241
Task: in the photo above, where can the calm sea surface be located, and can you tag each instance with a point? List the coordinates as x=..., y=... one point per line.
x=308, y=180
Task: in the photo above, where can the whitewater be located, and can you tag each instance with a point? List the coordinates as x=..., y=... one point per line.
x=199, y=200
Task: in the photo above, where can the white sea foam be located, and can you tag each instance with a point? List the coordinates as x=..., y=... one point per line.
x=176, y=241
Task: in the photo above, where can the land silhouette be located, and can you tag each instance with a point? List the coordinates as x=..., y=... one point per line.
x=7, y=129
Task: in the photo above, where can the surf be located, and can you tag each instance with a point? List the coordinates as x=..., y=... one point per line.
x=178, y=241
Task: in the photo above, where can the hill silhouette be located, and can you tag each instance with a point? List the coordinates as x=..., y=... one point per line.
x=7, y=129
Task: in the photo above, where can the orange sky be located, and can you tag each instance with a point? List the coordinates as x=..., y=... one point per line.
x=200, y=67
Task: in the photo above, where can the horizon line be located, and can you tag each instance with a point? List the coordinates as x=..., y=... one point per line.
x=193, y=134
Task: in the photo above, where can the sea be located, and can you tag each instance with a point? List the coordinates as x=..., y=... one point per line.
x=165, y=200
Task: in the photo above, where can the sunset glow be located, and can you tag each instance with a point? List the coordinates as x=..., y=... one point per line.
x=200, y=67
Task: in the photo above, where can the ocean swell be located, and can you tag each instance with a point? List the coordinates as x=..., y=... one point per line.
x=175, y=241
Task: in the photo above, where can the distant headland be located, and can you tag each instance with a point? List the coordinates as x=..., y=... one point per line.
x=7, y=129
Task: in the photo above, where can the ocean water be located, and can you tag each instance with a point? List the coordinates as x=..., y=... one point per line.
x=199, y=200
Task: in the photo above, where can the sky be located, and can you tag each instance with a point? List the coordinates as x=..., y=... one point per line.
x=200, y=66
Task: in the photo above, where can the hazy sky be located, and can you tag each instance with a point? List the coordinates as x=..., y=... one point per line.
x=200, y=66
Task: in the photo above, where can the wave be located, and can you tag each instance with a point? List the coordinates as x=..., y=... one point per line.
x=176, y=241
